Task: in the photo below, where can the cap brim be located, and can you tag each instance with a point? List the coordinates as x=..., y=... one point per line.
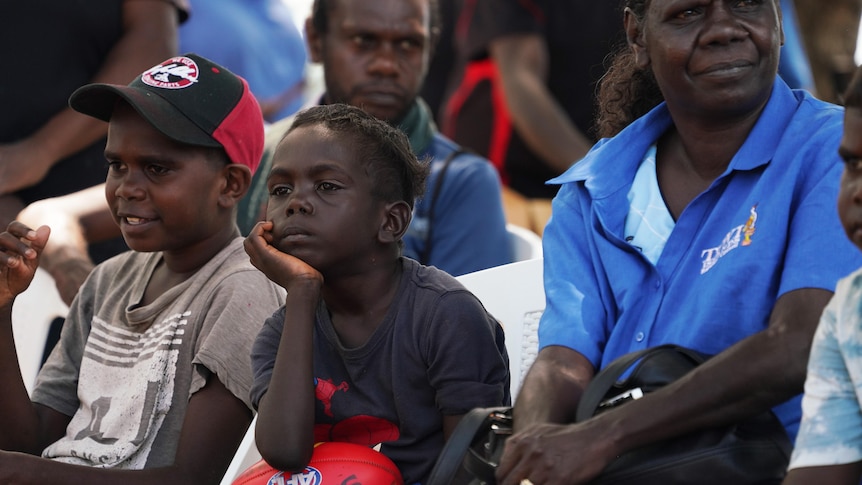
x=98, y=101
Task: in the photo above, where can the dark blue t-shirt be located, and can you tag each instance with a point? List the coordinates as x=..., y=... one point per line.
x=437, y=352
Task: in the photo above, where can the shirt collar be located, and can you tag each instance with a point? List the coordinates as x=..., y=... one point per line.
x=612, y=162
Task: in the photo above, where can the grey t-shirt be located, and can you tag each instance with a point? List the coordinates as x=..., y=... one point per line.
x=125, y=372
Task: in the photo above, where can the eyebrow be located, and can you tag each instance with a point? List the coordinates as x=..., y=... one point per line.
x=160, y=159
x=315, y=170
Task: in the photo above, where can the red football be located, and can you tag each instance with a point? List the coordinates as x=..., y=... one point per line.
x=333, y=463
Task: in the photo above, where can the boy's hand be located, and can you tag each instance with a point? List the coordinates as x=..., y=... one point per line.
x=282, y=268
x=20, y=247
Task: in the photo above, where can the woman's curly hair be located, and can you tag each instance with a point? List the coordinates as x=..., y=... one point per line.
x=626, y=92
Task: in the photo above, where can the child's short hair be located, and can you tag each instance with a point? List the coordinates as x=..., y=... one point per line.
x=384, y=149
x=190, y=99
x=853, y=93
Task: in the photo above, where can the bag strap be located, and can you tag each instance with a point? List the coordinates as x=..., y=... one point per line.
x=607, y=377
x=469, y=429
x=435, y=194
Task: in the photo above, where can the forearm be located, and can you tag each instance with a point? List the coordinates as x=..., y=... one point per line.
x=537, y=116
x=844, y=474
x=285, y=424
x=543, y=125
x=76, y=220
x=150, y=36
x=552, y=388
x=19, y=421
x=22, y=469
x=750, y=377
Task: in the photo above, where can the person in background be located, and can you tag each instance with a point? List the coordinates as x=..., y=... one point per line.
x=526, y=99
x=47, y=149
x=829, y=32
x=704, y=218
x=147, y=384
x=256, y=39
x=458, y=227
x=793, y=65
x=375, y=56
x=829, y=444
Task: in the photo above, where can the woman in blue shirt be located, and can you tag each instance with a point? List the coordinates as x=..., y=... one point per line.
x=705, y=218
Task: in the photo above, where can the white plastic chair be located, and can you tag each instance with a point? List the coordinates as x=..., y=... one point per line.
x=526, y=244
x=32, y=314
x=515, y=295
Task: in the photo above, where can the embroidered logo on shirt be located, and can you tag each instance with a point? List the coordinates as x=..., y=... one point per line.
x=748, y=228
x=174, y=73
x=739, y=235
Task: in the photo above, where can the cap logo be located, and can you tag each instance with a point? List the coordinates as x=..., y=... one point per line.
x=174, y=73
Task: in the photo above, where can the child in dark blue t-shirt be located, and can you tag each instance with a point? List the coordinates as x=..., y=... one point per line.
x=370, y=347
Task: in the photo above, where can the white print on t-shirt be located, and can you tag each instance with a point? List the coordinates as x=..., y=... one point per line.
x=739, y=235
x=125, y=387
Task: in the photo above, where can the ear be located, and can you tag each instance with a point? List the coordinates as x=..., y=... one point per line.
x=236, y=182
x=635, y=40
x=397, y=216
x=313, y=40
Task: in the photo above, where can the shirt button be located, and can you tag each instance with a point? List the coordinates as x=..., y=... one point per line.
x=639, y=337
x=657, y=284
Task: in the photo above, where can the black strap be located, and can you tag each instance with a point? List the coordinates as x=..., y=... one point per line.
x=472, y=426
x=425, y=256
x=604, y=380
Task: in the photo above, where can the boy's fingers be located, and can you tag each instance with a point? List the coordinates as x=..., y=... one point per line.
x=15, y=246
x=20, y=230
x=40, y=237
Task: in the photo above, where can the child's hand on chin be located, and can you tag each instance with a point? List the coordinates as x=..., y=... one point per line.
x=279, y=267
x=20, y=247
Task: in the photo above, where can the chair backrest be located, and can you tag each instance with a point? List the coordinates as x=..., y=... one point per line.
x=32, y=314
x=526, y=244
x=514, y=294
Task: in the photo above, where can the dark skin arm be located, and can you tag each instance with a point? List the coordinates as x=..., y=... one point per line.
x=289, y=402
x=150, y=36
x=76, y=220
x=522, y=60
x=757, y=373
x=848, y=474
x=204, y=451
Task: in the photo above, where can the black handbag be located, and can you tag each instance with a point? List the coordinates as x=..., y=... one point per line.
x=754, y=451
x=472, y=453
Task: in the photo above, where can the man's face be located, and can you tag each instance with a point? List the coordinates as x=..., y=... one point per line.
x=374, y=55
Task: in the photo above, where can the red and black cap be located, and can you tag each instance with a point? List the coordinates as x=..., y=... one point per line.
x=191, y=100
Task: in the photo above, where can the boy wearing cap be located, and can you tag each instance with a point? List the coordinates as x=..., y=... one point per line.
x=148, y=374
